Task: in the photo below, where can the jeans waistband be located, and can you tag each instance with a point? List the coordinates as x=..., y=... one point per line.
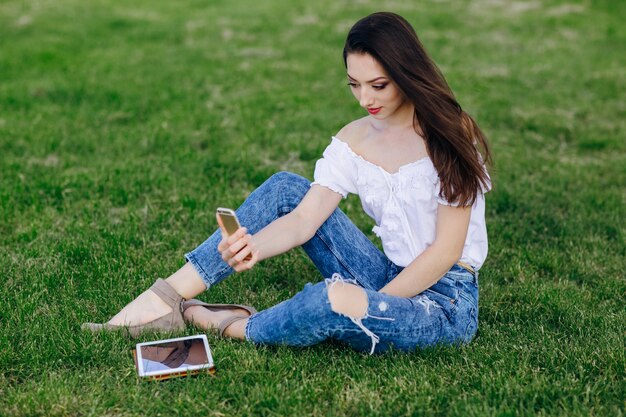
x=467, y=267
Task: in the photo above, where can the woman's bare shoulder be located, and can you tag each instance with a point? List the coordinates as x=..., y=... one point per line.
x=354, y=132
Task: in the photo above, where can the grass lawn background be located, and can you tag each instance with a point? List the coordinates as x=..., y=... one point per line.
x=124, y=124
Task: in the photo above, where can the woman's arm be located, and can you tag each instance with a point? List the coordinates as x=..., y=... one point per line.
x=282, y=234
x=434, y=262
x=300, y=225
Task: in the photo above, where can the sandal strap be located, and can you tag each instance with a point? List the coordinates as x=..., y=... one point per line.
x=167, y=293
x=227, y=322
x=193, y=302
x=216, y=307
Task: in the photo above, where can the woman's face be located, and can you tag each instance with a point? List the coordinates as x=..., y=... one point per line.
x=371, y=86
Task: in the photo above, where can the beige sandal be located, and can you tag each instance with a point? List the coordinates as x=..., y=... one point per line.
x=221, y=327
x=170, y=322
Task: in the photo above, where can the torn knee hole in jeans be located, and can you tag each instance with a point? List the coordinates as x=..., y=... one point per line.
x=350, y=300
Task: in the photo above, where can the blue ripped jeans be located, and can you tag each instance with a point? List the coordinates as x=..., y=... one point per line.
x=446, y=313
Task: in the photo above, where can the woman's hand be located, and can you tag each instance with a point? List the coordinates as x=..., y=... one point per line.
x=238, y=250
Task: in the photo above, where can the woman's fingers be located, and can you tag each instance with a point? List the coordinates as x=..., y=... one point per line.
x=248, y=263
x=246, y=258
x=235, y=249
x=241, y=232
x=245, y=251
x=221, y=247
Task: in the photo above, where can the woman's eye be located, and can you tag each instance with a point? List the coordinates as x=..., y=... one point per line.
x=352, y=85
x=379, y=86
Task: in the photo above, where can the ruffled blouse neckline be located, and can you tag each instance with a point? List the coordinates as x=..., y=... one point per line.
x=365, y=161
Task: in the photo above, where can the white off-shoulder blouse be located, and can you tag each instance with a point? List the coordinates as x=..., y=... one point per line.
x=403, y=204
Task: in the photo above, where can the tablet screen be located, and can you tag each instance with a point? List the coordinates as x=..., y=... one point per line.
x=173, y=356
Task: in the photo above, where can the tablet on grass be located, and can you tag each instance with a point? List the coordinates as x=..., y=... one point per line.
x=182, y=356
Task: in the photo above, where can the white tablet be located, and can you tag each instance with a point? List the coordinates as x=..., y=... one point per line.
x=182, y=356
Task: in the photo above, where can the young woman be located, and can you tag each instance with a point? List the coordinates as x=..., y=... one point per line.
x=414, y=161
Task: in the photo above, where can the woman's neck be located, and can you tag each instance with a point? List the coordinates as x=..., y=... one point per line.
x=401, y=119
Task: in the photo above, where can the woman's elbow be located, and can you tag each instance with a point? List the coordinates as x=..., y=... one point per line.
x=455, y=254
x=304, y=235
x=449, y=254
x=305, y=230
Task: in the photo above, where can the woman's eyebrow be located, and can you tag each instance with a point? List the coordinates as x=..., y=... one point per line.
x=370, y=81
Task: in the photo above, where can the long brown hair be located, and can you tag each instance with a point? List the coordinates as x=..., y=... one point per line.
x=453, y=139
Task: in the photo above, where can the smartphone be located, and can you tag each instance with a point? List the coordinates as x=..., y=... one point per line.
x=182, y=356
x=231, y=223
x=229, y=219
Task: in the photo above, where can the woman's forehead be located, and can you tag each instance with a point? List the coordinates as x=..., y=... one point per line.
x=364, y=67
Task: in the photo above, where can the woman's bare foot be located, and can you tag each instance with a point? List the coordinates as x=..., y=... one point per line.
x=143, y=309
x=210, y=319
x=149, y=306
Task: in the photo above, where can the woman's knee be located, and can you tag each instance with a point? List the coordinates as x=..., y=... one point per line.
x=347, y=299
x=289, y=180
x=289, y=187
x=330, y=299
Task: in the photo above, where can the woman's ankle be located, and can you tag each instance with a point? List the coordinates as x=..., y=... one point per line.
x=187, y=282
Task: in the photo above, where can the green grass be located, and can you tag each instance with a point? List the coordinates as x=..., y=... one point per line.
x=124, y=124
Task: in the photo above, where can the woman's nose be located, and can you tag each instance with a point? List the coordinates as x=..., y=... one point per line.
x=365, y=99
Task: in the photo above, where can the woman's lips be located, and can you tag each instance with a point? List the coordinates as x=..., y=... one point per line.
x=374, y=110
